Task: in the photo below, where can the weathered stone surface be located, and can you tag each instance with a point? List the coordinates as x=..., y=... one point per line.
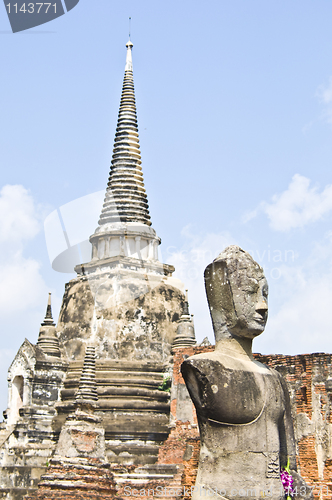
x=28, y=438
x=87, y=390
x=243, y=407
x=82, y=435
x=75, y=481
x=35, y=379
x=79, y=467
x=127, y=315
x=135, y=411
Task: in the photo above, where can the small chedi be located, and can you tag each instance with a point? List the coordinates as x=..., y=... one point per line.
x=243, y=407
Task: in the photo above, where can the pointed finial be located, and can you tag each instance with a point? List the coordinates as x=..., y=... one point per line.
x=47, y=338
x=48, y=320
x=129, y=26
x=186, y=305
x=129, y=60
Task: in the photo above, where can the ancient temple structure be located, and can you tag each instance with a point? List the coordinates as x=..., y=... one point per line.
x=127, y=306
x=90, y=405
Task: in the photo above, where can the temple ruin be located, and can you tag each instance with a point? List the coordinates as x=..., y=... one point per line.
x=99, y=403
x=125, y=303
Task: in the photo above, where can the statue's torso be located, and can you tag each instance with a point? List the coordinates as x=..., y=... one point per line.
x=240, y=412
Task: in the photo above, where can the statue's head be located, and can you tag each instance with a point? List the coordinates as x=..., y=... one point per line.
x=237, y=291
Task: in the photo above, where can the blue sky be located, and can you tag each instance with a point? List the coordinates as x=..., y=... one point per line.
x=234, y=103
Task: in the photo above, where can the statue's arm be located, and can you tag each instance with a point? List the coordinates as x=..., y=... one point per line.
x=194, y=382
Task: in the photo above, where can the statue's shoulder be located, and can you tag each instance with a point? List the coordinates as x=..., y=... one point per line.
x=203, y=363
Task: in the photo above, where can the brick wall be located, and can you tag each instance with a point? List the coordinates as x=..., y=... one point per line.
x=75, y=482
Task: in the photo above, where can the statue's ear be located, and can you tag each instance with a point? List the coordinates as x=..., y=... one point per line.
x=219, y=296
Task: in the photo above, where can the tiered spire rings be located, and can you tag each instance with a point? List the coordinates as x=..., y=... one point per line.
x=124, y=230
x=87, y=391
x=126, y=199
x=47, y=339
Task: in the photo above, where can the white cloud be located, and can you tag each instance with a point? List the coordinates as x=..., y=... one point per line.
x=22, y=288
x=21, y=284
x=299, y=312
x=325, y=92
x=299, y=205
x=18, y=214
x=302, y=323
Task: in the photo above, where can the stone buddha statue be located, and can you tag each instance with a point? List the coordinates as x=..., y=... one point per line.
x=243, y=407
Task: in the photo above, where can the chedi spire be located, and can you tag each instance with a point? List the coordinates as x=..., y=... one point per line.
x=124, y=228
x=47, y=339
x=185, y=335
x=48, y=320
x=126, y=199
